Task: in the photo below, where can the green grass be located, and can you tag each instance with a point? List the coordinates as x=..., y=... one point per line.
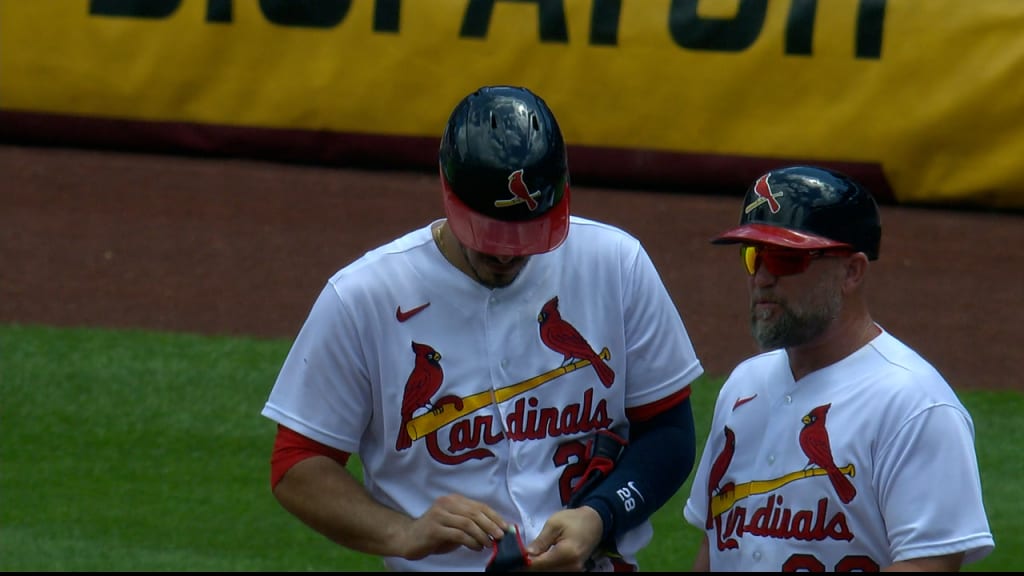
x=137, y=451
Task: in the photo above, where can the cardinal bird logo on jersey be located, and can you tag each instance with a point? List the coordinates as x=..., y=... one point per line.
x=424, y=381
x=740, y=506
x=520, y=192
x=718, y=469
x=764, y=194
x=563, y=338
x=815, y=444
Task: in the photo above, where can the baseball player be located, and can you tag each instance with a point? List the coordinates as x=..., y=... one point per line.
x=515, y=380
x=838, y=448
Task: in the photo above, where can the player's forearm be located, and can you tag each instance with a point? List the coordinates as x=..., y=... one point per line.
x=656, y=463
x=323, y=494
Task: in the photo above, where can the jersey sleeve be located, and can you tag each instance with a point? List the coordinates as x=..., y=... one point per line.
x=930, y=489
x=695, y=509
x=323, y=390
x=661, y=359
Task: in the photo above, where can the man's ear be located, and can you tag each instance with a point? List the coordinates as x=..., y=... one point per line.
x=856, y=272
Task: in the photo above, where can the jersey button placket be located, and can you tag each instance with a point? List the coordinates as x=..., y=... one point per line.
x=495, y=350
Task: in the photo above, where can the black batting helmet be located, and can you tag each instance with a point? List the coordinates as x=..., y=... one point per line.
x=808, y=207
x=504, y=173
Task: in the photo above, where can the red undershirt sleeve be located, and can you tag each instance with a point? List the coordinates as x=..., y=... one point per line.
x=290, y=448
x=648, y=411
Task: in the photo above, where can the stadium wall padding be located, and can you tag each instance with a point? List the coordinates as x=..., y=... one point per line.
x=921, y=99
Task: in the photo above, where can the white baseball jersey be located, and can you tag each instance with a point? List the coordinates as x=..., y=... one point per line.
x=858, y=465
x=442, y=385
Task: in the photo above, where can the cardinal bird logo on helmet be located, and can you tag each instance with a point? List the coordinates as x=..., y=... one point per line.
x=520, y=192
x=764, y=194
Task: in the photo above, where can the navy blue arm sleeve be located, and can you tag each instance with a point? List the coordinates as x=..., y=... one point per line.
x=654, y=465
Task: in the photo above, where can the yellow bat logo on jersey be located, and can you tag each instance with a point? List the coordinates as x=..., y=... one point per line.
x=429, y=422
x=723, y=501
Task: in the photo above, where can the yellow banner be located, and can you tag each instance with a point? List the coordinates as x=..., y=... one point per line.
x=930, y=90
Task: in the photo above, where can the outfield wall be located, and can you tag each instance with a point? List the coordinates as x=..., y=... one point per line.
x=922, y=99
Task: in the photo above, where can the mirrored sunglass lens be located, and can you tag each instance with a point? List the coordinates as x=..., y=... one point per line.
x=749, y=254
x=785, y=263
x=777, y=262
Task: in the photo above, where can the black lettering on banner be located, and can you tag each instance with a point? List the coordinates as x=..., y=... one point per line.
x=386, y=15
x=736, y=34
x=870, y=23
x=604, y=22
x=800, y=26
x=691, y=31
x=299, y=13
x=688, y=29
x=553, y=27
x=868, y=31
x=306, y=13
x=220, y=11
x=134, y=8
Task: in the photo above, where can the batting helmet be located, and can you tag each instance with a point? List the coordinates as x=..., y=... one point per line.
x=504, y=173
x=808, y=207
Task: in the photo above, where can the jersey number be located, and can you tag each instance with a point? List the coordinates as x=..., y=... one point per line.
x=627, y=499
x=808, y=563
x=572, y=455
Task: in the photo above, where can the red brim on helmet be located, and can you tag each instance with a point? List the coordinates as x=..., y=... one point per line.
x=507, y=238
x=776, y=236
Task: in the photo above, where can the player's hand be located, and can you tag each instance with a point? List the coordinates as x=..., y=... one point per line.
x=566, y=541
x=450, y=522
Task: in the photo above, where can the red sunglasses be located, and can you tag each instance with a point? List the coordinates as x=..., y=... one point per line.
x=782, y=261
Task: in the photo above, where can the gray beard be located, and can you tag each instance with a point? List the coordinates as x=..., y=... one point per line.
x=796, y=327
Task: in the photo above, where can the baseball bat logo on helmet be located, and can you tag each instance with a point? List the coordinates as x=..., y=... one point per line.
x=520, y=192
x=764, y=194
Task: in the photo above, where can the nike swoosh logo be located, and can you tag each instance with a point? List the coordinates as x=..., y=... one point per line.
x=632, y=485
x=742, y=401
x=403, y=316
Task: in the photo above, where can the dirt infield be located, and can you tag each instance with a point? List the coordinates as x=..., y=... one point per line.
x=242, y=248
